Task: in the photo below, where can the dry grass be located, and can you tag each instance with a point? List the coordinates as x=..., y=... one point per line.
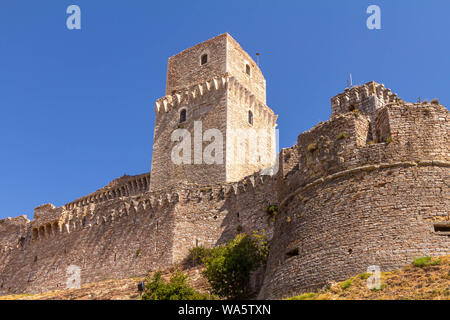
x=427, y=282
x=123, y=289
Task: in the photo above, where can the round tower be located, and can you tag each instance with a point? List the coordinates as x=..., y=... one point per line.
x=350, y=199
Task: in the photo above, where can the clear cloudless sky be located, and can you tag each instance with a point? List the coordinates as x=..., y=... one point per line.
x=76, y=106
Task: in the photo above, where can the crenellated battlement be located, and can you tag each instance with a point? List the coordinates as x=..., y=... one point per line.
x=246, y=98
x=199, y=92
x=132, y=186
x=190, y=95
x=404, y=132
x=50, y=221
x=365, y=98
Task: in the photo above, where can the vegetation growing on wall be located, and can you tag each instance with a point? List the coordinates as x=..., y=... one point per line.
x=228, y=267
x=272, y=210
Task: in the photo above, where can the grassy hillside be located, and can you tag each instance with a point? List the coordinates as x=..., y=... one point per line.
x=424, y=279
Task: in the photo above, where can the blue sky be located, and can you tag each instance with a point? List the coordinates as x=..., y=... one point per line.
x=76, y=107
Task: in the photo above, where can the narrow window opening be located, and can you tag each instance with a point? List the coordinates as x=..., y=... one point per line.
x=442, y=228
x=369, y=137
x=247, y=69
x=204, y=59
x=183, y=116
x=250, y=117
x=22, y=241
x=292, y=253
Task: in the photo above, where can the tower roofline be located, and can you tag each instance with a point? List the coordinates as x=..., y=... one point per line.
x=225, y=35
x=222, y=35
x=217, y=57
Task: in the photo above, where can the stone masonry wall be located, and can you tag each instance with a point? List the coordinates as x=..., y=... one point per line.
x=126, y=236
x=204, y=104
x=211, y=215
x=185, y=70
x=237, y=59
x=250, y=147
x=114, y=239
x=336, y=229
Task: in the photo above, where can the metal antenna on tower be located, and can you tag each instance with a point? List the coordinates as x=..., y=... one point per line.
x=350, y=82
x=257, y=58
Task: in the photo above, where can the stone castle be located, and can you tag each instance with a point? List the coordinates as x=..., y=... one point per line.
x=370, y=186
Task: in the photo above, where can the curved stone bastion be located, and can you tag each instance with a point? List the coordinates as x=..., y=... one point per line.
x=348, y=202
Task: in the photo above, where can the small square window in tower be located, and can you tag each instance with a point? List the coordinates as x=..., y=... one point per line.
x=250, y=117
x=247, y=69
x=204, y=59
x=182, y=115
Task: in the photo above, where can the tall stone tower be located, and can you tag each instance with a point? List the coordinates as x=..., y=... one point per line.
x=215, y=107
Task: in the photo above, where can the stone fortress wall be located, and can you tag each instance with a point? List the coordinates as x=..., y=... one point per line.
x=127, y=235
x=370, y=186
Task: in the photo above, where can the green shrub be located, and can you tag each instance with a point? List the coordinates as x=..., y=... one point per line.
x=364, y=275
x=262, y=245
x=138, y=252
x=342, y=135
x=229, y=266
x=239, y=228
x=346, y=284
x=176, y=289
x=197, y=255
x=272, y=210
x=425, y=262
x=389, y=140
x=305, y=296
